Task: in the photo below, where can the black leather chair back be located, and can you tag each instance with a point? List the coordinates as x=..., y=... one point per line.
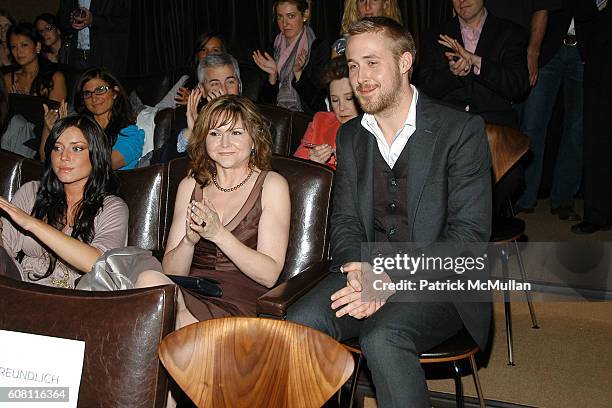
x=122, y=331
x=15, y=171
x=287, y=128
x=144, y=192
x=177, y=169
x=164, y=120
x=150, y=89
x=280, y=127
x=310, y=187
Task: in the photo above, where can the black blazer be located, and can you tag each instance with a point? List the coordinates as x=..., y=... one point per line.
x=108, y=34
x=308, y=87
x=449, y=190
x=503, y=78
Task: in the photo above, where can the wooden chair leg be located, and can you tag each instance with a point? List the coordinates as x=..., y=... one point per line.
x=458, y=386
x=474, y=367
x=534, y=320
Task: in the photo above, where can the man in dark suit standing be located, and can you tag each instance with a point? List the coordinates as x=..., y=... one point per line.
x=409, y=170
x=476, y=62
x=98, y=32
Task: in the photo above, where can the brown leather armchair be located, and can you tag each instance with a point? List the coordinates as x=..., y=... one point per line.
x=306, y=262
x=122, y=331
x=310, y=188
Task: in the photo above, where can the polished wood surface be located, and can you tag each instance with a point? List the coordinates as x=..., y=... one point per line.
x=507, y=146
x=253, y=362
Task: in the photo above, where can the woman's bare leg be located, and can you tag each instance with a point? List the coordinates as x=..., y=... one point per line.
x=154, y=278
x=184, y=317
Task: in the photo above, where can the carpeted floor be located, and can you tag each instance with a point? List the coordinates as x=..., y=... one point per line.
x=565, y=363
x=542, y=226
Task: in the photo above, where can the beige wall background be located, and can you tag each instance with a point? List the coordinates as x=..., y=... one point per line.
x=27, y=10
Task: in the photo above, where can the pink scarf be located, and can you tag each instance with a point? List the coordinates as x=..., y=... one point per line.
x=284, y=49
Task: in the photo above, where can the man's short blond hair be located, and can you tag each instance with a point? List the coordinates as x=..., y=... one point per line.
x=401, y=39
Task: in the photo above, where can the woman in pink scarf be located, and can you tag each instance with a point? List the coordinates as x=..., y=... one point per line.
x=293, y=72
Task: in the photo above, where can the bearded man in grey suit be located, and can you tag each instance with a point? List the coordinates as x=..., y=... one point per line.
x=409, y=170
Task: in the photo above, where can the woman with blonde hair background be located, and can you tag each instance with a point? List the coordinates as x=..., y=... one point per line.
x=357, y=9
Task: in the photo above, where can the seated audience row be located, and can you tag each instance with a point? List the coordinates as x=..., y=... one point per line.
x=231, y=217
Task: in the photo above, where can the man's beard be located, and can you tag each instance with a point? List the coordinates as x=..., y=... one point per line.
x=386, y=98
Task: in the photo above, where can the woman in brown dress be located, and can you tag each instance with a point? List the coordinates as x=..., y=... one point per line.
x=231, y=214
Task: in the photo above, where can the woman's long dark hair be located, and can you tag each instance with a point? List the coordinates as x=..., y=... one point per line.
x=53, y=22
x=51, y=205
x=122, y=114
x=44, y=79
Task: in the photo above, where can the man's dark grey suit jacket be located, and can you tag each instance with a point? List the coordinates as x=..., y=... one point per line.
x=448, y=192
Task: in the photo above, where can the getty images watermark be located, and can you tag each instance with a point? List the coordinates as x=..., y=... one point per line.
x=433, y=269
x=484, y=272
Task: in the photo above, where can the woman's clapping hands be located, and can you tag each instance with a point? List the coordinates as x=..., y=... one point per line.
x=53, y=115
x=267, y=64
x=202, y=221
